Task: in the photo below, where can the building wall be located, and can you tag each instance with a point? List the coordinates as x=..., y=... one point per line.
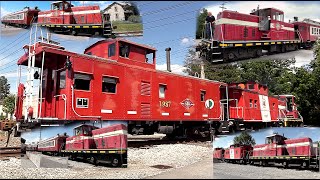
x=116, y=13
x=3, y=113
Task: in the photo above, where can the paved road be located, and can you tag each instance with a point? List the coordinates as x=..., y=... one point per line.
x=26, y=163
x=199, y=170
x=235, y=171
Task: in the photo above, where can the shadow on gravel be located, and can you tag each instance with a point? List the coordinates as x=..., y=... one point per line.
x=161, y=167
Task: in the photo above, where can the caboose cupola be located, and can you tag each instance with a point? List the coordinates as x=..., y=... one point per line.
x=124, y=51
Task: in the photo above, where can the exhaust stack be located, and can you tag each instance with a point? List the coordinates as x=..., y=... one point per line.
x=168, y=59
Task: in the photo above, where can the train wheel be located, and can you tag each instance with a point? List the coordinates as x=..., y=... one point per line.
x=115, y=162
x=305, y=165
x=74, y=32
x=285, y=164
x=93, y=160
x=283, y=48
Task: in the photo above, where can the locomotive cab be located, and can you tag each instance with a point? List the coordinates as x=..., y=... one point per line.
x=84, y=130
x=61, y=5
x=275, y=139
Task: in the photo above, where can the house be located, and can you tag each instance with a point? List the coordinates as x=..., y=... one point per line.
x=118, y=11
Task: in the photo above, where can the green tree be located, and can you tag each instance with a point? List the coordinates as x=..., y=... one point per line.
x=200, y=22
x=4, y=88
x=8, y=104
x=244, y=139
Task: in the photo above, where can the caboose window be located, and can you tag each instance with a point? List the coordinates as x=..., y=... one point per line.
x=149, y=57
x=109, y=84
x=62, y=83
x=162, y=89
x=251, y=86
x=202, y=95
x=124, y=50
x=82, y=81
x=111, y=50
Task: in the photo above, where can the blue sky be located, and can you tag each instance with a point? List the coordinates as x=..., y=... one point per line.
x=166, y=24
x=50, y=131
x=259, y=136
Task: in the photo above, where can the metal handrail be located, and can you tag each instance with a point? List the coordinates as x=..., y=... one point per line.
x=299, y=34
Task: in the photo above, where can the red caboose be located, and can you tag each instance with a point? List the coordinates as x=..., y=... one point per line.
x=237, y=153
x=116, y=80
x=218, y=154
x=22, y=18
x=250, y=106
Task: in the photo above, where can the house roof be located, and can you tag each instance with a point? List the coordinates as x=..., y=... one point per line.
x=122, y=4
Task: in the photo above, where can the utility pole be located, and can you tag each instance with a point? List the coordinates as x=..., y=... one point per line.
x=222, y=6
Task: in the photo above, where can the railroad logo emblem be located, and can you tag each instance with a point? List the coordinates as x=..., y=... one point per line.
x=278, y=26
x=187, y=103
x=209, y=104
x=264, y=102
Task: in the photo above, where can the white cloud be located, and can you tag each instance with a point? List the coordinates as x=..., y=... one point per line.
x=290, y=9
x=103, y=4
x=187, y=41
x=4, y=12
x=13, y=74
x=175, y=68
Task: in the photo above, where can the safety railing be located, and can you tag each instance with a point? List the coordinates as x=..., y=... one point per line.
x=207, y=31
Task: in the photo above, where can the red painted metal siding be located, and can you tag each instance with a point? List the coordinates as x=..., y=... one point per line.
x=78, y=15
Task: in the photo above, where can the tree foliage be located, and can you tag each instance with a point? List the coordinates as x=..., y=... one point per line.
x=200, y=22
x=8, y=104
x=4, y=88
x=244, y=139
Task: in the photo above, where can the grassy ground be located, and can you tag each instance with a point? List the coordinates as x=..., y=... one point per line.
x=126, y=27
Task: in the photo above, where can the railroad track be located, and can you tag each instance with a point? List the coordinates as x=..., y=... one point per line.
x=6, y=152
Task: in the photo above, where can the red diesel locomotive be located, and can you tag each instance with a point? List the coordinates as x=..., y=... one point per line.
x=64, y=17
x=278, y=150
x=235, y=36
x=98, y=145
x=23, y=18
x=116, y=79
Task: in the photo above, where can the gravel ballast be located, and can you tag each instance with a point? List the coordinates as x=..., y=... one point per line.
x=139, y=164
x=13, y=141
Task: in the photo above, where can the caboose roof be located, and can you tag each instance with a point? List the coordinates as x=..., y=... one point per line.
x=248, y=82
x=273, y=135
x=121, y=40
x=59, y=2
x=84, y=125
